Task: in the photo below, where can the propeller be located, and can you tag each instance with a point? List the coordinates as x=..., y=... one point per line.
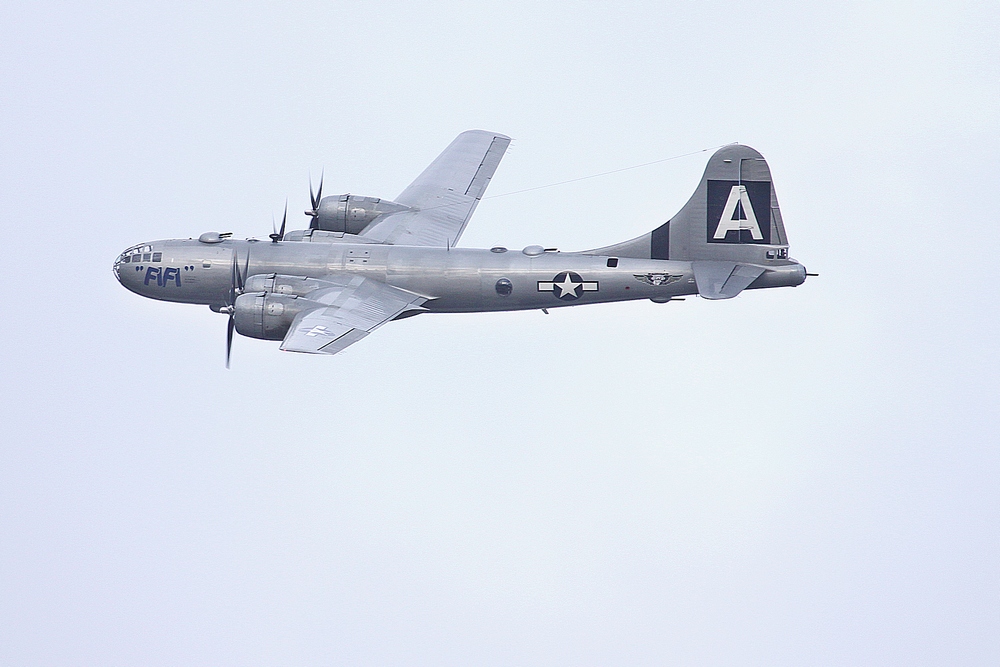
x=277, y=236
x=236, y=285
x=315, y=199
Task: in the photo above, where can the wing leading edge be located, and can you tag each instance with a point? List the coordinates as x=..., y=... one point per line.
x=444, y=196
x=347, y=313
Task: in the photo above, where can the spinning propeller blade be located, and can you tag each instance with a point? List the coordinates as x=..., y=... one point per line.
x=277, y=236
x=315, y=199
x=236, y=286
x=229, y=337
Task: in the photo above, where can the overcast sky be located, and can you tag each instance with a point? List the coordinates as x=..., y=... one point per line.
x=795, y=476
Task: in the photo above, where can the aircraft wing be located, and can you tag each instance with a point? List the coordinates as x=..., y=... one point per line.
x=345, y=314
x=444, y=196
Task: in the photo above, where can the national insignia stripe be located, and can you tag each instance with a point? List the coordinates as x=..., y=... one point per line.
x=568, y=286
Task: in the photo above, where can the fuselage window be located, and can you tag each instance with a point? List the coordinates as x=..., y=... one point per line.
x=612, y=262
x=504, y=287
x=206, y=264
x=157, y=256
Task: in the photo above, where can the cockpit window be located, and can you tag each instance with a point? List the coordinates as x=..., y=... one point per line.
x=157, y=256
x=126, y=259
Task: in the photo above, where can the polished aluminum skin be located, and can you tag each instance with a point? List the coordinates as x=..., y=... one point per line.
x=365, y=261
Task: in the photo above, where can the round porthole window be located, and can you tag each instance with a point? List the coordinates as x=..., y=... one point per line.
x=504, y=287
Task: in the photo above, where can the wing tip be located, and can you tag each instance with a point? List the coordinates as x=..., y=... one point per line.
x=495, y=135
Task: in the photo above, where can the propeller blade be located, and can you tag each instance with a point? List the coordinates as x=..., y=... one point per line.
x=275, y=235
x=312, y=197
x=234, y=275
x=229, y=337
x=232, y=282
x=319, y=192
x=246, y=272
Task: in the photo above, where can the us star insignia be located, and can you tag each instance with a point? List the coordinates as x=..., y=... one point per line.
x=568, y=286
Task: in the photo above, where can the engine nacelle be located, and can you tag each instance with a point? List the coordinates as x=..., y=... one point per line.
x=351, y=213
x=279, y=284
x=267, y=316
x=300, y=286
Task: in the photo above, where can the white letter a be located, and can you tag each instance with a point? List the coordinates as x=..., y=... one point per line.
x=738, y=195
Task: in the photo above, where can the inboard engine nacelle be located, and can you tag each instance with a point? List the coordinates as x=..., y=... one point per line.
x=267, y=316
x=279, y=284
x=350, y=213
x=270, y=301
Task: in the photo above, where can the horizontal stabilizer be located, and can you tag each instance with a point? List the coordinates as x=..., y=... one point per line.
x=724, y=280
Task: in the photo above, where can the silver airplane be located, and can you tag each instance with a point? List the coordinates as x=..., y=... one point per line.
x=365, y=261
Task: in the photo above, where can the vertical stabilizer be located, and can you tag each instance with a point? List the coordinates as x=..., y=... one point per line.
x=732, y=216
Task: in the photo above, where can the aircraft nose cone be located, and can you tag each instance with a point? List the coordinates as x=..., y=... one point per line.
x=125, y=268
x=118, y=266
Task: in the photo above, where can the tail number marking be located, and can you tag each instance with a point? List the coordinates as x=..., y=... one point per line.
x=739, y=212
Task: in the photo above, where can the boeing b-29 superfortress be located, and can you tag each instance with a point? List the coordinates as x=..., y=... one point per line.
x=366, y=261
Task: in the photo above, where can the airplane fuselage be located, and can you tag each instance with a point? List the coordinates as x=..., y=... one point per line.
x=365, y=261
x=454, y=279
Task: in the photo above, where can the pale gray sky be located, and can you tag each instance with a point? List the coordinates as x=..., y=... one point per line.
x=797, y=476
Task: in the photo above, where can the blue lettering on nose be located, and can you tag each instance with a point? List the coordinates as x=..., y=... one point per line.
x=163, y=277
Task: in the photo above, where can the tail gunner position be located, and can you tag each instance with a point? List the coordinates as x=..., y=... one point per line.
x=365, y=261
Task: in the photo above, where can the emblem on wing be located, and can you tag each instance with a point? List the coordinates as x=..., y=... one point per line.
x=318, y=331
x=657, y=279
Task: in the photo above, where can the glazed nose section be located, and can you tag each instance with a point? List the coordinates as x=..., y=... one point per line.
x=121, y=263
x=129, y=265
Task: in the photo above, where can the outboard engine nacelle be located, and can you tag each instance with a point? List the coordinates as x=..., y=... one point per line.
x=350, y=213
x=267, y=316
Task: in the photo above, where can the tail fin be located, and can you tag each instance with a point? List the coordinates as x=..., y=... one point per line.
x=732, y=216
